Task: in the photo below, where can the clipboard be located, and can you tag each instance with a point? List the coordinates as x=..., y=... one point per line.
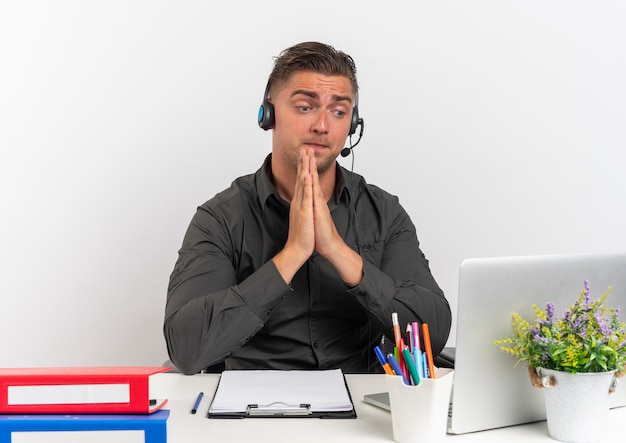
x=282, y=394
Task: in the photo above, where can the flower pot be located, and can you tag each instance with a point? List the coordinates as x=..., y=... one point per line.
x=577, y=405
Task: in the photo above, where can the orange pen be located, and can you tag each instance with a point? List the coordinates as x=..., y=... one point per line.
x=429, y=350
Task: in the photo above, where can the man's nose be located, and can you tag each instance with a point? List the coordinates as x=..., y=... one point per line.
x=320, y=122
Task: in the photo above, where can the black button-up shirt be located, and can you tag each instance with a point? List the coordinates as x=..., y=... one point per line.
x=227, y=302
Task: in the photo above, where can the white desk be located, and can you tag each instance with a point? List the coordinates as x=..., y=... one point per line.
x=372, y=425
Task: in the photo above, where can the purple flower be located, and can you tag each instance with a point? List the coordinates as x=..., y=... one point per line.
x=604, y=329
x=537, y=337
x=579, y=323
x=549, y=311
x=580, y=328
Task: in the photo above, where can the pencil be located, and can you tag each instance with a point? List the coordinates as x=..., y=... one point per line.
x=397, y=335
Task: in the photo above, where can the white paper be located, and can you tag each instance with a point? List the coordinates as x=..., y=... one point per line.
x=68, y=394
x=324, y=390
x=136, y=436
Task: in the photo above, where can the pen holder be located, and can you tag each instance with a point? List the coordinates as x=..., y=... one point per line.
x=420, y=413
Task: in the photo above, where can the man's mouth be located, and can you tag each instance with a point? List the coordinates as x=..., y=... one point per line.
x=316, y=145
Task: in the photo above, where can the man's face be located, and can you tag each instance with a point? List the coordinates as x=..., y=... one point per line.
x=311, y=111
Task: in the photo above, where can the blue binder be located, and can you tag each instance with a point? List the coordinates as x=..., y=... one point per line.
x=153, y=425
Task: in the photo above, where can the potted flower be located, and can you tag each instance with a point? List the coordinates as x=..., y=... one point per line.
x=577, y=357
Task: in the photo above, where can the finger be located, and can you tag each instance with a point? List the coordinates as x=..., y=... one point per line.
x=301, y=180
x=307, y=183
x=315, y=181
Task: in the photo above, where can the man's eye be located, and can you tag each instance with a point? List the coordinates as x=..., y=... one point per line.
x=340, y=113
x=303, y=108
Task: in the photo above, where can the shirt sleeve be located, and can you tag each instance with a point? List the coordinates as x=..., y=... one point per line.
x=208, y=315
x=397, y=278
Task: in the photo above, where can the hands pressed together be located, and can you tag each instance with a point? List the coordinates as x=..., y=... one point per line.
x=311, y=228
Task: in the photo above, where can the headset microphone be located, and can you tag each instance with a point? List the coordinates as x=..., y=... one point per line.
x=348, y=150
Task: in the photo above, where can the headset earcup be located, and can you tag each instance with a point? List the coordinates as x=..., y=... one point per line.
x=266, y=115
x=355, y=120
x=266, y=111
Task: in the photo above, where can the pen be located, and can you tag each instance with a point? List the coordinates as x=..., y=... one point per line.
x=400, y=358
x=429, y=350
x=408, y=359
x=396, y=368
x=419, y=365
x=197, y=404
x=417, y=348
x=415, y=327
x=383, y=360
x=425, y=365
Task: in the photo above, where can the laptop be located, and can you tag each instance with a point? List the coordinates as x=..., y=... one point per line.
x=489, y=390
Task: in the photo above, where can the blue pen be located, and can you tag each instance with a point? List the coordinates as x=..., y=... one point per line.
x=197, y=404
x=383, y=360
x=425, y=366
x=396, y=368
x=418, y=363
x=380, y=355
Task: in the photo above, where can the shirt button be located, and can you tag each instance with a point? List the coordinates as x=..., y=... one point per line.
x=366, y=248
x=316, y=345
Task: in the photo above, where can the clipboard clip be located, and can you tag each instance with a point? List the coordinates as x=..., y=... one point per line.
x=278, y=409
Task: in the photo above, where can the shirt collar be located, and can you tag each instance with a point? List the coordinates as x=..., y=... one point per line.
x=264, y=186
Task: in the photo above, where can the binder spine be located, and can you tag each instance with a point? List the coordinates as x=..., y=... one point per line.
x=154, y=426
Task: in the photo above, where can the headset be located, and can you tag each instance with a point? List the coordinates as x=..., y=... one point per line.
x=266, y=118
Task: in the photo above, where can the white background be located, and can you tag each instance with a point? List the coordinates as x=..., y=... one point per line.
x=500, y=125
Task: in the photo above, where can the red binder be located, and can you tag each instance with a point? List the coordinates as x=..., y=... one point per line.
x=78, y=390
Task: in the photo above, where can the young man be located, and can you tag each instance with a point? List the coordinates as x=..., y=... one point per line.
x=301, y=264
